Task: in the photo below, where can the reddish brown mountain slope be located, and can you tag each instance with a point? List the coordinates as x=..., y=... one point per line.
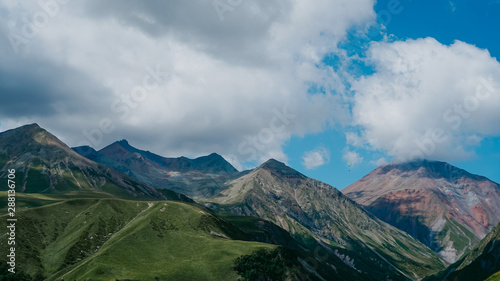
x=443, y=206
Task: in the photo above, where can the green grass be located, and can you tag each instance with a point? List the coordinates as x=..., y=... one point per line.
x=109, y=239
x=81, y=179
x=26, y=200
x=494, y=277
x=32, y=200
x=115, y=190
x=249, y=224
x=171, y=195
x=461, y=242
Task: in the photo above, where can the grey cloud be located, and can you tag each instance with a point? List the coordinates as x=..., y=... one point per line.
x=37, y=88
x=227, y=76
x=239, y=37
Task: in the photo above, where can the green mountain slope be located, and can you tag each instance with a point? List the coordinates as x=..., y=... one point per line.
x=103, y=239
x=482, y=263
x=62, y=237
x=314, y=212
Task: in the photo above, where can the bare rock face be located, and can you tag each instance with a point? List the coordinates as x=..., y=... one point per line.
x=444, y=207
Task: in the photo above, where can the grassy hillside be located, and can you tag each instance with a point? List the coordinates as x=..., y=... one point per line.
x=494, y=277
x=109, y=239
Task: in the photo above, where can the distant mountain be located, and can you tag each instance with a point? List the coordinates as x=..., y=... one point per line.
x=44, y=164
x=212, y=164
x=444, y=207
x=88, y=152
x=200, y=177
x=482, y=263
x=320, y=216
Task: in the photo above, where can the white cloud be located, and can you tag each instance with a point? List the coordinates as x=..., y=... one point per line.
x=316, y=158
x=353, y=138
x=428, y=100
x=226, y=78
x=379, y=162
x=352, y=157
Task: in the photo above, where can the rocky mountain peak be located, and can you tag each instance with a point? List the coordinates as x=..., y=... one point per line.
x=27, y=131
x=44, y=164
x=31, y=127
x=123, y=143
x=273, y=163
x=427, y=169
x=215, y=156
x=214, y=163
x=278, y=168
x=32, y=138
x=87, y=151
x=120, y=147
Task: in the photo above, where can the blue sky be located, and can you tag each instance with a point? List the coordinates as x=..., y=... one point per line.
x=316, y=84
x=473, y=22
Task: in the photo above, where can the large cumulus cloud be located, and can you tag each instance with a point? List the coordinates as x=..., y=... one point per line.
x=427, y=100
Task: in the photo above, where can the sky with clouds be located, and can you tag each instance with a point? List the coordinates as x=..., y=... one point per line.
x=316, y=84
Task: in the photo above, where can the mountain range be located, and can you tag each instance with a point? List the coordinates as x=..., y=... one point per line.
x=44, y=164
x=444, y=207
x=313, y=212
x=200, y=177
x=122, y=213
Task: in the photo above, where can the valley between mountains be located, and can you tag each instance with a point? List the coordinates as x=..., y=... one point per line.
x=122, y=213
